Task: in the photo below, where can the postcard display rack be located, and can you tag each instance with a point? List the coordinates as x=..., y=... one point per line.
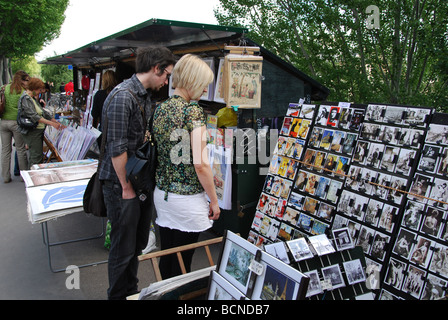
x=375, y=175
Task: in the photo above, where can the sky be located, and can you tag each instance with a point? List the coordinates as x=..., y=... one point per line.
x=90, y=20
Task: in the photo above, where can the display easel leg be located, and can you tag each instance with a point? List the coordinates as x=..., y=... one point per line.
x=48, y=244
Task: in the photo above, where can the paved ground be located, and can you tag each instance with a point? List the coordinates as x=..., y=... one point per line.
x=24, y=267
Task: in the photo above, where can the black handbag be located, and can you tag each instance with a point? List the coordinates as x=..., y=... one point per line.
x=23, y=121
x=93, y=199
x=141, y=166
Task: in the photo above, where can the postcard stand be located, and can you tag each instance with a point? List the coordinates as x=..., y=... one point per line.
x=362, y=167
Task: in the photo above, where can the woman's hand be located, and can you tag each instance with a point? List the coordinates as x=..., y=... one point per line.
x=214, y=211
x=57, y=125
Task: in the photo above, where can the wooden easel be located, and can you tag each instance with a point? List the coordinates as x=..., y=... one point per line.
x=54, y=153
x=178, y=251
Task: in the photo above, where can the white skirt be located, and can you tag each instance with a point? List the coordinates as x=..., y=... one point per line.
x=188, y=213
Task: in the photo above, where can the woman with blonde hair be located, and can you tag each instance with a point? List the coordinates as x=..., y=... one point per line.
x=108, y=82
x=29, y=107
x=182, y=185
x=9, y=128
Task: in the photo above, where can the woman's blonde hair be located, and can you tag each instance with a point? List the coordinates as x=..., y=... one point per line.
x=193, y=74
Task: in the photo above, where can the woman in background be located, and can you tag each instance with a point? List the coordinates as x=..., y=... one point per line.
x=108, y=82
x=182, y=185
x=9, y=128
x=29, y=106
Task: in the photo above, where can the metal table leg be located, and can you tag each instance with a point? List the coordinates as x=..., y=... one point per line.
x=48, y=244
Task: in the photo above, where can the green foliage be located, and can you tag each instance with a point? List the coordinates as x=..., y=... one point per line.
x=404, y=61
x=56, y=74
x=28, y=64
x=26, y=26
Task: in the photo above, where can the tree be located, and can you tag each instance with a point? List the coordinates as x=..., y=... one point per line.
x=25, y=27
x=402, y=61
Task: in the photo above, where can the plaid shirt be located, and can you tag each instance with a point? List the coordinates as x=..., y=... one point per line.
x=125, y=127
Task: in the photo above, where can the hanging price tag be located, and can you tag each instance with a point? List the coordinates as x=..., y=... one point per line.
x=256, y=267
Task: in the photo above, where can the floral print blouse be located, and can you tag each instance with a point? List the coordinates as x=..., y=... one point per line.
x=175, y=170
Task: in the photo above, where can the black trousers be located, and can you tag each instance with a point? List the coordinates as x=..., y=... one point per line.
x=170, y=238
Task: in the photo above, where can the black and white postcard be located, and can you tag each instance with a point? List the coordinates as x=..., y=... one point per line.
x=299, y=249
x=334, y=275
x=354, y=271
x=342, y=239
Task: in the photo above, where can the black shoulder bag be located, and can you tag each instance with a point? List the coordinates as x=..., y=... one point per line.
x=93, y=199
x=141, y=166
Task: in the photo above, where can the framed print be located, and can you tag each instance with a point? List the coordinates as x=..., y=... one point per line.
x=236, y=257
x=354, y=271
x=221, y=289
x=279, y=281
x=334, y=275
x=374, y=155
x=299, y=249
x=314, y=286
x=242, y=84
x=342, y=239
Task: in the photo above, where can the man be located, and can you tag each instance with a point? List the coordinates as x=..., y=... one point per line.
x=126, y=111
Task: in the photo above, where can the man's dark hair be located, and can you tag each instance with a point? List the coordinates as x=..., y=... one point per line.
x=149, y=57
